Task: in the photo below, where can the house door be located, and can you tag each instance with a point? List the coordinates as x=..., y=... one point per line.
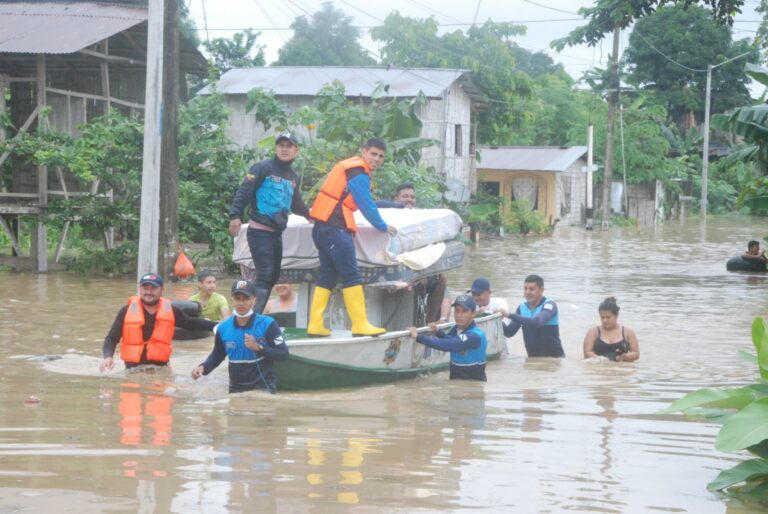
x=526, y=188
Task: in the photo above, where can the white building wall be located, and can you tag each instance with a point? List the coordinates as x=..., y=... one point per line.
x=571, y=194
x=439, y=117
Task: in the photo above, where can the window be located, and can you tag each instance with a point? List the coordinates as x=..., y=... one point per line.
x=457, y=139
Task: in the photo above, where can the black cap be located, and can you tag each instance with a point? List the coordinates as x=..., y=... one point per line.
x=151, y=278
x=465, y=301
x=244, y=287
x=290, y=136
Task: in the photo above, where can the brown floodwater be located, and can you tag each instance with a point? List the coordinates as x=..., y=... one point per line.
x=542, y=435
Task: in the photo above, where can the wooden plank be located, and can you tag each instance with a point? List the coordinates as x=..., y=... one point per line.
x=112, y=58
x=23, y=129
x=19, y=209
x=11, y=236
x=40, y=249
x=89, y=96
x=60, y=244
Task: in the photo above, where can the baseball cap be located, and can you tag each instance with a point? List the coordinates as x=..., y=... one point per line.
x=480, y=285
x=244, y=287
x=465, y=301
x=151, y=278
x=290, y=136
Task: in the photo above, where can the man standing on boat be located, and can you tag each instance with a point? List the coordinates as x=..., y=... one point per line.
x=145, y=327
x=346, y=189
x=466, y=341
x=540, y=320
x=270, y=189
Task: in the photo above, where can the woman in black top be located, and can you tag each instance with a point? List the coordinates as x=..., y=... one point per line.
x=611, y=339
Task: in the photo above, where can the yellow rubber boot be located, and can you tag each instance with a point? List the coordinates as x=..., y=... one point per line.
x=354, y=299
x=316, y=327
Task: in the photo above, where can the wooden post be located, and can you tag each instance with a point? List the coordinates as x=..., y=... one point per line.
x=109, y=234
x=40, y=241
x=613, y=98
x=169, y=152
x=150, y=173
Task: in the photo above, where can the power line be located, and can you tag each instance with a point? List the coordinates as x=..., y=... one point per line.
x=436, y=11
x=368, y=27
x=477, y=10
x=550, y=8
x=666, y=56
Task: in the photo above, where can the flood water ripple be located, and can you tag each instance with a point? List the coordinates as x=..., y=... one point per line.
x=542, y=435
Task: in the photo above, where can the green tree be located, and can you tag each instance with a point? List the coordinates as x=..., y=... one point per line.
x=692, y=38
x=606, y=15
x=487, y=51
x=237, y=52
x=328, y=39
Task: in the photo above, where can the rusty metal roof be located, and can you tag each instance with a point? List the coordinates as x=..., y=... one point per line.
x=529, y=158
x=62, y=28
x=358, y=81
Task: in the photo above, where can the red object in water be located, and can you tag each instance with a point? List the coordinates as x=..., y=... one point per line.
x=32, y=400
x=183, y=267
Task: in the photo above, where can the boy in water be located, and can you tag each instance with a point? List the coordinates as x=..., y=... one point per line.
x=251, y=341
x=213, y=306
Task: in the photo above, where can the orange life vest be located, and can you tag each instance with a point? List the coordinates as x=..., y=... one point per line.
x=334, y=191
x=159, y=344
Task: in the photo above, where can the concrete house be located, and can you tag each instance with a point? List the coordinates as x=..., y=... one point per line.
x=446, y=117
x=552, y=179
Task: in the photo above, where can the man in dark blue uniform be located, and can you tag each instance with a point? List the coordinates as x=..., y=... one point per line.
x=540, y=320
x=252, y=343
x=466, y=342
x=271, y=191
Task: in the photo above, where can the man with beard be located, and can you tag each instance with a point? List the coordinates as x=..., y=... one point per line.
x=271, y=191
x=144, y=327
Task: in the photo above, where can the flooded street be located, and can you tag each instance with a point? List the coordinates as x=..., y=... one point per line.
x=542, y=435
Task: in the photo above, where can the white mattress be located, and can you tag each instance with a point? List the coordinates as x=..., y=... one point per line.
x=416, y=228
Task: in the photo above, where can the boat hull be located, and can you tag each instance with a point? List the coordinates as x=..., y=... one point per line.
x=346, y=361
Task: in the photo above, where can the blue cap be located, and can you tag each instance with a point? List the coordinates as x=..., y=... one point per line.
x=480, y=285
x=244, y=287
x=465, y=301
x=151, y=278
x=290, y=136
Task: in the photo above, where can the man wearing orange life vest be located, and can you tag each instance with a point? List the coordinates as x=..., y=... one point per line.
x=346, y=189
x=145, y=327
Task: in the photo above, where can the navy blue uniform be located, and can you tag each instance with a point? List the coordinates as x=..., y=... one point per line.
x=270, y=190
x=541, y=328
x=467, y=348
x=247, y=369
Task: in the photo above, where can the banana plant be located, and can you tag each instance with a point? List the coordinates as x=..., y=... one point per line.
x=743, y=413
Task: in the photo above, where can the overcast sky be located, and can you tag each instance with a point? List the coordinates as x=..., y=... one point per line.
x=545, y=20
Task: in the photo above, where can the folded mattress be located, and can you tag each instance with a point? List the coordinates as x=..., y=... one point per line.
x=416, y=228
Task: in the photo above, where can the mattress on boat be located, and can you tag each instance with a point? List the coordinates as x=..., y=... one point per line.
x=416, y=228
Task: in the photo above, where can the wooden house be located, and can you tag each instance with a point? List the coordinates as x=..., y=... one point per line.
x=78, y=60
x=446, y=117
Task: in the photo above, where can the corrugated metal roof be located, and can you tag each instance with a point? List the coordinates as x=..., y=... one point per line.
x=529, y=158
x=62, y=28
x=358, y=81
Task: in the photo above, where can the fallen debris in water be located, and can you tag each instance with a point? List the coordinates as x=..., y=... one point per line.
x=32, y=400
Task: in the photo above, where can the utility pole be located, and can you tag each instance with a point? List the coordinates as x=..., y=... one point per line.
x=150, y=171
x=169, y=152
x=705, y=149
x=158, y=229
x=613, y=94
x=590, y=210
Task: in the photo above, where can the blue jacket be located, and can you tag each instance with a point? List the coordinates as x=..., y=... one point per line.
x=541, y=328
x=247, y=369
x=468, y=350
x=270, y=189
